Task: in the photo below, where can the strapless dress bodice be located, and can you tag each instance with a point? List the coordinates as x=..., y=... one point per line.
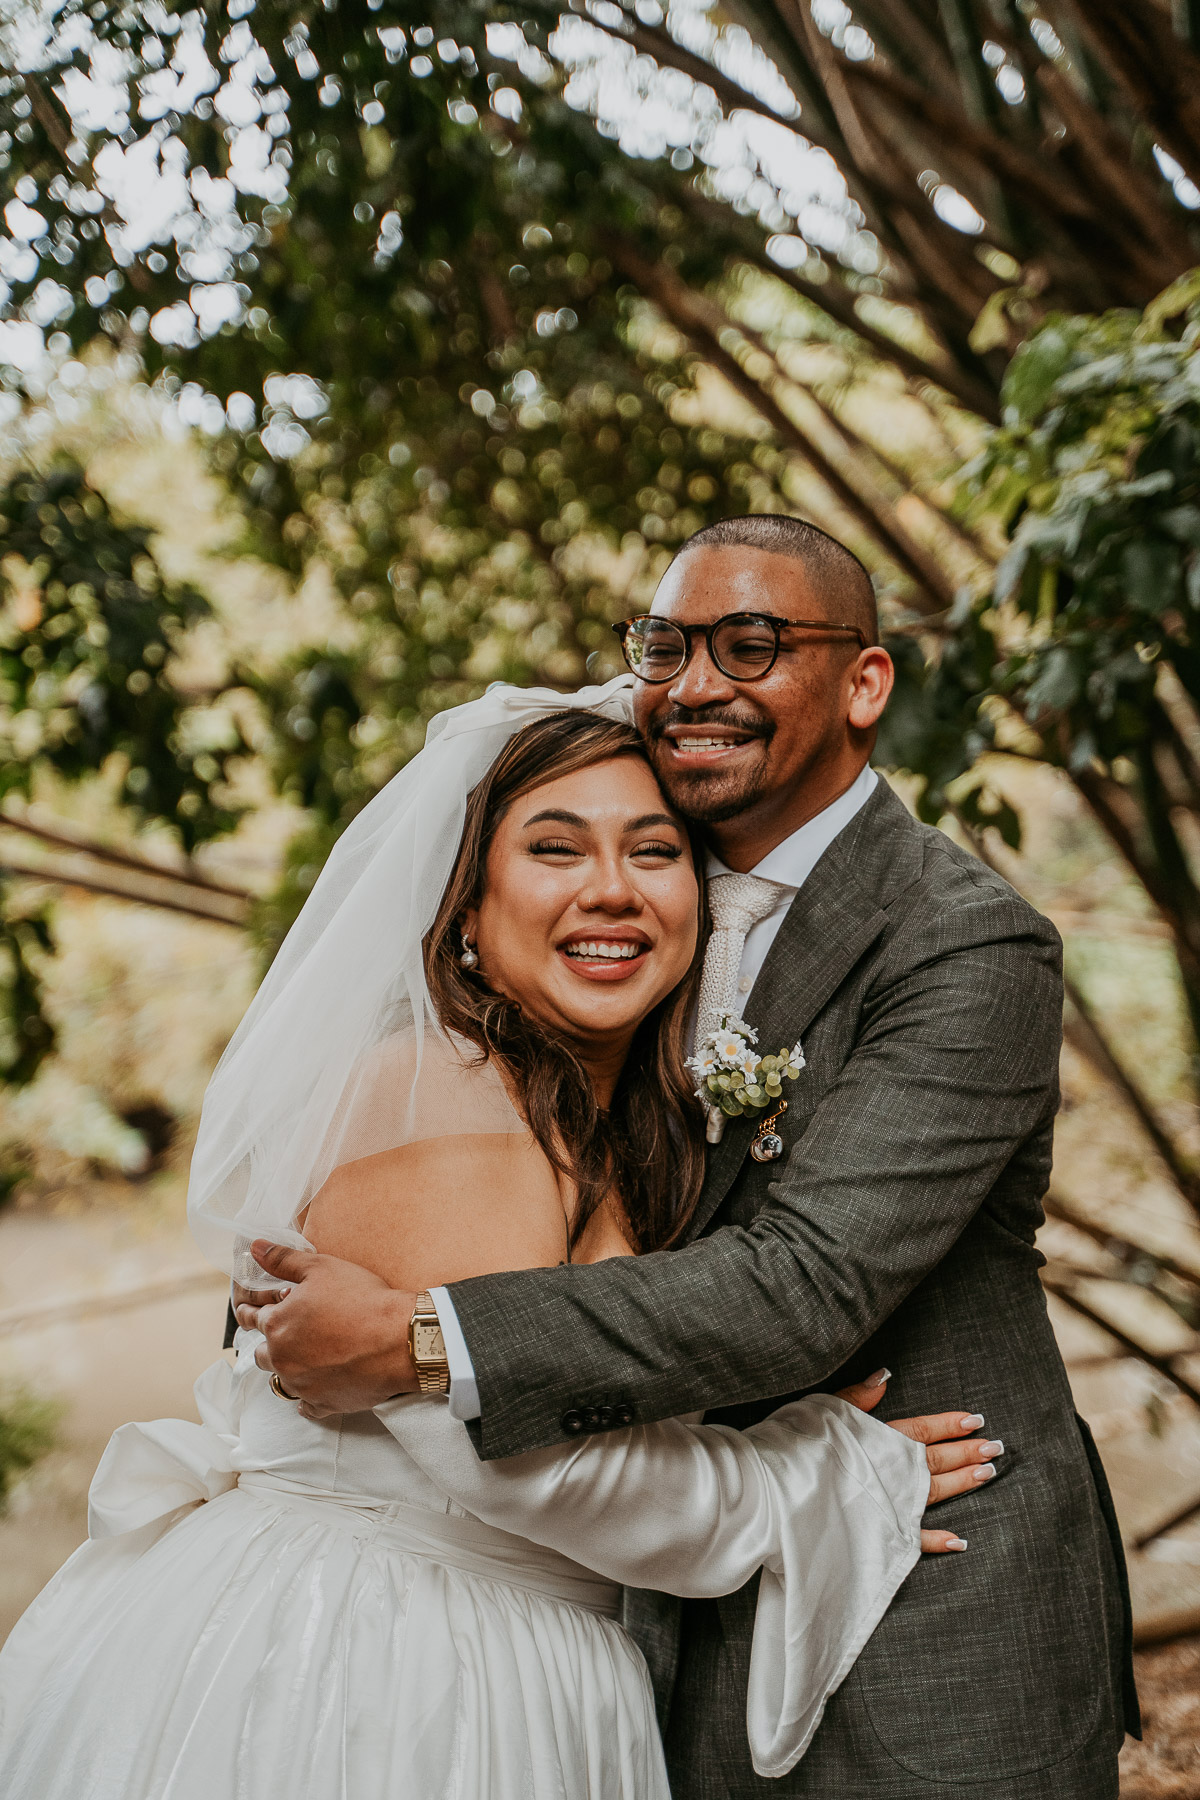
x=351, y=1454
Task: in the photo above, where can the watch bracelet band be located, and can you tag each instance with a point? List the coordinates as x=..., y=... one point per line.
x=432, y=1378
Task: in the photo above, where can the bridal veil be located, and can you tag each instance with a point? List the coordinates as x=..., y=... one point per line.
x=340, y=1055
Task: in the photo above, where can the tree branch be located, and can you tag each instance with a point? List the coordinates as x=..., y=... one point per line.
x=65, y=837
x=1117, y=813
x=1170, y=1523
x=171, y=896
x=1124, y=1249
x=835, y=299
x=1163, y=1365
x=58, y=128
x=994, y=153
x=1157, y=68
x=696, y=317
x=1156, y=246
x=1087, y=1036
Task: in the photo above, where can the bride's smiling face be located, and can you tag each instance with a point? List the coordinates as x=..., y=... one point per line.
x=590, y=906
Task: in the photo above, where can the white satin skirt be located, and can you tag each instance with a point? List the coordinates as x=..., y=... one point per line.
x=277, y=1644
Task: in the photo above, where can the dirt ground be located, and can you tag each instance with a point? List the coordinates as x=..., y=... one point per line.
x=1166, y=1764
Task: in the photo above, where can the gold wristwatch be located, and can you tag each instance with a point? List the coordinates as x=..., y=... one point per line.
x=427, y=1347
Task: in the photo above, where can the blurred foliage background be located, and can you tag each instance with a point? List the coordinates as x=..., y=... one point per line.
x=354, y=355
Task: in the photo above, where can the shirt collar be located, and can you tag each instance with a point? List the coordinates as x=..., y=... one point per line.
x=792, y=862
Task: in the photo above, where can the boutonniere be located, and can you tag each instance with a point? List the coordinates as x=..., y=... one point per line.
x=735, y=1081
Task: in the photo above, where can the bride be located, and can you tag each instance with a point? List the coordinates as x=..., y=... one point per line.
x=468, y=1057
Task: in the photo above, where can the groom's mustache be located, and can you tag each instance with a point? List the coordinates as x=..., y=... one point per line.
x=754, y=724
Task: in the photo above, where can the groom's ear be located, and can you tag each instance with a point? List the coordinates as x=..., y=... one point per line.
x=872, y=684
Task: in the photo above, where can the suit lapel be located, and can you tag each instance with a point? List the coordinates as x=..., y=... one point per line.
x=829, y=927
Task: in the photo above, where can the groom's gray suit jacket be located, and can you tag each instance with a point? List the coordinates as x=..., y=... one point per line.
x=899, y=1229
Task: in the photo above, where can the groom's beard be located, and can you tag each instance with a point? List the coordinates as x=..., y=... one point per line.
x=710, y=796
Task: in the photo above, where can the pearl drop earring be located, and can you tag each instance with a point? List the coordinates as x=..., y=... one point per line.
x=468, y=959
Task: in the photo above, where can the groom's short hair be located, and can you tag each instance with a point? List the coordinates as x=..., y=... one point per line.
x=843, y=579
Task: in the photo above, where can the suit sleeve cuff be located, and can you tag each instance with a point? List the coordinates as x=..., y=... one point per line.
x=464, y=1389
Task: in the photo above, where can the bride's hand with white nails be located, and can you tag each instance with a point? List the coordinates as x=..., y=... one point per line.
x=958, y=1462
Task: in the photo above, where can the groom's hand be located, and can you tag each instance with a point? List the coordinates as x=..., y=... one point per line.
x=337, y=1336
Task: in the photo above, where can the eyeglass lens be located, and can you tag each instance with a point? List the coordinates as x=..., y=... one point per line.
x=743, y=648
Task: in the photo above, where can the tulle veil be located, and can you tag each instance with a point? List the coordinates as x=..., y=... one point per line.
x=340, y=1054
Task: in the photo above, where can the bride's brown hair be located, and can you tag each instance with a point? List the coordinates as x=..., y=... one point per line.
x=649, y=1147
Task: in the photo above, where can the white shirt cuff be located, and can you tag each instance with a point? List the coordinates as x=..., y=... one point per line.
x=464, y=1389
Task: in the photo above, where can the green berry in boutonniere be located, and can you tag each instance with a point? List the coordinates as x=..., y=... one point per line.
x=732, y=1076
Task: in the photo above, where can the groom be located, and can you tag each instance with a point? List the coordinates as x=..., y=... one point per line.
x=897, y=1228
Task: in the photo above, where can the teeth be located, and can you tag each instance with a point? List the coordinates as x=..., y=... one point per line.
x=704, y=743
x=603, y=948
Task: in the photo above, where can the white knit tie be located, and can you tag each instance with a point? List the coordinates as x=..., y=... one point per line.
x=736, y=902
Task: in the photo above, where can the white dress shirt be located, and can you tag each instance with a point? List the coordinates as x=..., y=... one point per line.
x=790, y=864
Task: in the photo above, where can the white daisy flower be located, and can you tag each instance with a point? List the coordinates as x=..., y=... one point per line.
x=729, y=1048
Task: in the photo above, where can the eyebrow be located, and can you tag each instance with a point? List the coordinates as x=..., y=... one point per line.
x=555, y=817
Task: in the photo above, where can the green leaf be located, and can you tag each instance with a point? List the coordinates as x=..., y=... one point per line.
x=1183, y=292
x=27, y=1036
x=1182, y=523
x=1038, y=364
x=1150, y=569
x=992, y=329
x=1192, y=583
x=1058, y=684
x=28, y=1429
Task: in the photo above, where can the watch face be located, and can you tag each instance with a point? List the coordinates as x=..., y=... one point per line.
x=428, y=1344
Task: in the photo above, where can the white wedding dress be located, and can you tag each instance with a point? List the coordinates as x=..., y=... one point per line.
x=359, y=1609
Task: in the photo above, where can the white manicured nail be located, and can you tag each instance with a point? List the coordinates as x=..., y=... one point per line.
x=995, y=1448
x=985, y=1471
x=879, y=1377
x=971, y=1422
x=956, y=1544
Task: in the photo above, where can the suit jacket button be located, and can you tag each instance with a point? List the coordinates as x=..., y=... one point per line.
x=623, y=1415
x=605, y=1417
x=572, y=1422
x=590, y=1419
